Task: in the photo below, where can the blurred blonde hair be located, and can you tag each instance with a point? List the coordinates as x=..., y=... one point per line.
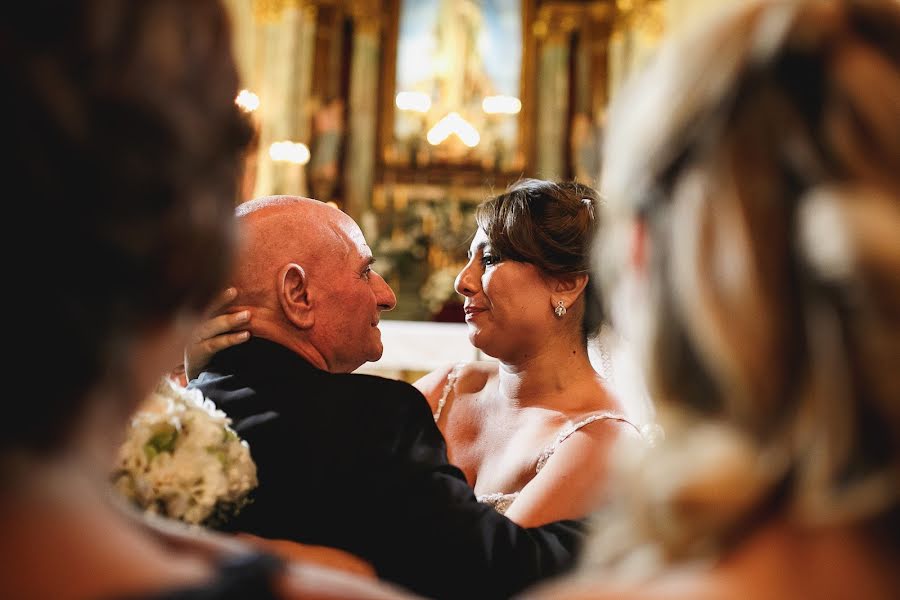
x=763, y=156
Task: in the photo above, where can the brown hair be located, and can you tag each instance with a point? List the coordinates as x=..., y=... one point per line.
x=549, y=225
x=127, y=143
x=769, y=185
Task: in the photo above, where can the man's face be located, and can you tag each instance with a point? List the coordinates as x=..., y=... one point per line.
x=350, y=297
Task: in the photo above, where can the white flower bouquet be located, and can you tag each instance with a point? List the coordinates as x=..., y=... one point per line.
x=181, y=459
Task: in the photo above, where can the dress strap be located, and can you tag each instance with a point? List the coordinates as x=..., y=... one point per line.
x=568, y=430
x=452, y=377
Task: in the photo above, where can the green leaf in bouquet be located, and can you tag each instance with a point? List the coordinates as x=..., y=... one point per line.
x=219, y=453
x=224, y=511
x=162, y=441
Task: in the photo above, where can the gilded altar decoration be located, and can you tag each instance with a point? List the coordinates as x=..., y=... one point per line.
x=458, y=82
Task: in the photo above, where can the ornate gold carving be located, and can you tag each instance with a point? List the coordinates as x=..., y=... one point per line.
x=556, y=21
x=366, y=14
x=646, y=16
x=270, y=11
x=602, y=11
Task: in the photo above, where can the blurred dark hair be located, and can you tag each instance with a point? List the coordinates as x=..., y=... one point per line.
x=549, y=225
x=123, y=142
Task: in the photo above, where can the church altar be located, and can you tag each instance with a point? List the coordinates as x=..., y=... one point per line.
x=413, y=348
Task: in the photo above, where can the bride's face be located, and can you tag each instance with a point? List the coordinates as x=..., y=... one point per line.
x=507, y=303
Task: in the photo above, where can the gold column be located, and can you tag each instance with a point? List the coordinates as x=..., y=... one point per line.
x=299, y=84
x=285, y=42
x=553, y=28
x=638, y=27
x=243, y=40
x=681, y=13
x=590, y=91
x=359, y=167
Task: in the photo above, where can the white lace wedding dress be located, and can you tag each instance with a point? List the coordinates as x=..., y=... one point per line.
x=616, y=366
x=502, y=501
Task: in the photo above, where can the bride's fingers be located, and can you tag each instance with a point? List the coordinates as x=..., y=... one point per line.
x=215, y=326
x=222, y=300
x=198, y=354
x=227, y=340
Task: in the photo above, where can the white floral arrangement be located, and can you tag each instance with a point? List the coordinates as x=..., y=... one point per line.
x=182, y=460
x=438, y=288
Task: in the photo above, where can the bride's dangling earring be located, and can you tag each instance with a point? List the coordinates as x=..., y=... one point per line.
x=560, y=309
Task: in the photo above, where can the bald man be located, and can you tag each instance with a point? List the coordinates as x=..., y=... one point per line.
x=353, y=461
x=306, y=273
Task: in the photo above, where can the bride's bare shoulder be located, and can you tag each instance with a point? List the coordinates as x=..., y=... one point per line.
x=476, y=376
x=432, y=385
x=467, y=377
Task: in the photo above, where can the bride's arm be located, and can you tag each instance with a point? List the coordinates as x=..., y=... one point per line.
x=573, y=482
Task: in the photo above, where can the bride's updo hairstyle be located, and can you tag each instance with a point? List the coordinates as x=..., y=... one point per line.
x=760, y=157
x=549, y=225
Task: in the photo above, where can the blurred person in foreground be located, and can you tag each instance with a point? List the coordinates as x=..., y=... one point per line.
x=752, y=251
x=126, y=147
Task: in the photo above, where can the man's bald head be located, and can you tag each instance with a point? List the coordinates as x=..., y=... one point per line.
x=278, y=230
x=305, y=271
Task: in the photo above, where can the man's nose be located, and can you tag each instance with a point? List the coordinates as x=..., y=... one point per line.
x=385, y=296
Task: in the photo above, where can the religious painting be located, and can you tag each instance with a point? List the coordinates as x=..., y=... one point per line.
x=458, y=81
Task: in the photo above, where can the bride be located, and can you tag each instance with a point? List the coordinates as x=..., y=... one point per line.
x=531, y=432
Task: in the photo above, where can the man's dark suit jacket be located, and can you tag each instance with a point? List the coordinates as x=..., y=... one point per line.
x=356, y=462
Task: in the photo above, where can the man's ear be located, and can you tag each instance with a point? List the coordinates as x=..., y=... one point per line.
x=294, y=296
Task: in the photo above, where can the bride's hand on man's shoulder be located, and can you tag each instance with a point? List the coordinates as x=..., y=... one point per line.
x=220, y=330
